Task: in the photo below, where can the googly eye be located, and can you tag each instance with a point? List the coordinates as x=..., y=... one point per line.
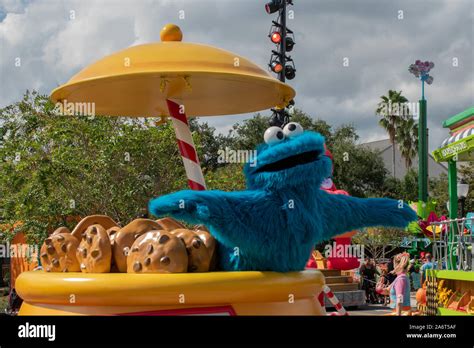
x=292, y=129
x=273, y=135
x=326, y=184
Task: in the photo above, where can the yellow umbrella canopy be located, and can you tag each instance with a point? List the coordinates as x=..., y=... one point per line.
x=207, y=80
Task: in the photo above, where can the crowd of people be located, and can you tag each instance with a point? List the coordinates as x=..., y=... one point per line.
x=391, y=283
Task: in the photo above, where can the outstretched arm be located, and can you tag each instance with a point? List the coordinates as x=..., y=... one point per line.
x=346, y=213
x=190, y=206
x=226, y=213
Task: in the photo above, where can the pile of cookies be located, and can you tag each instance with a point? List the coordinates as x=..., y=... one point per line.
x=99, y=245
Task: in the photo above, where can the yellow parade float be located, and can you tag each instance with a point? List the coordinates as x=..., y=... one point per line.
x=217, y=293
x=146, y=81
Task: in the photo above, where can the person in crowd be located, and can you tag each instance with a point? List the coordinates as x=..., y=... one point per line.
x=411, y=265
x=426, y=266
x=390, y=275
x=416, y=260
x=415, y=278
x=382, y=283
x=399, y=290
x=362, y=267
x=368, y=272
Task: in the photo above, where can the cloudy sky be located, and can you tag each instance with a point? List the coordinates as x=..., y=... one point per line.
x=379, y=37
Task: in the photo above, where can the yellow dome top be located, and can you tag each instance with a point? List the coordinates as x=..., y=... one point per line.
x=171, y=32
x=207, y=80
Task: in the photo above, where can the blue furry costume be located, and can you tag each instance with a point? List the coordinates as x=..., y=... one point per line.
x=275, y=223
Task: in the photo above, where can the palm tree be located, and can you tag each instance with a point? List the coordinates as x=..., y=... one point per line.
x=407, y=138
x=390, y=109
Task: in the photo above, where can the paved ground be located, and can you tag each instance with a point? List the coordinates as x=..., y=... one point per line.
x=3, y=299
x=377, y=309
x=3, y=303
x=369, y=310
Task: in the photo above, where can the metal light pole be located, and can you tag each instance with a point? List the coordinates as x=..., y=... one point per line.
x=420, y=70
x=280, y=63
x=281, y=75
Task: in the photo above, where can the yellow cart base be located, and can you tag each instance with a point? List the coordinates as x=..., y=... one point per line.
x=213, y=293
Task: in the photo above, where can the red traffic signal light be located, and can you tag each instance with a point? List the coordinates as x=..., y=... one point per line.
x=276, y=37
x=273, y=6
x=276, y=66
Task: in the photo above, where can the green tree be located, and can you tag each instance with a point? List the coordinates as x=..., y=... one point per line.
x=438, y=191
x=379, y=242
x=466, y=171
x=357, y=169
x=407, y=139
x=409, y=186
x=309, y=123
x=208, y=144
x=391, y=188
x=391, y=116
x=56, y=168
x=227, y=178
x=247, y=134
x=405, y=188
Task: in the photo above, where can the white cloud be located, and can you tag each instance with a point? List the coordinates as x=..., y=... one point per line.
x=12, y=6
x=53, y=47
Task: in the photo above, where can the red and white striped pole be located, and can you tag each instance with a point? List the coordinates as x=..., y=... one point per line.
x=335, y=302
x=186, y=146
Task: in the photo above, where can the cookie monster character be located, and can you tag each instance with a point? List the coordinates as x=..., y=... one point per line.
x=274, y=224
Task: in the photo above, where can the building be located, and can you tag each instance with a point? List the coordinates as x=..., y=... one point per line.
x=384, y=148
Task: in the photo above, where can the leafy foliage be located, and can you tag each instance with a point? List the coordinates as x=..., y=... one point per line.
x=380, y=241
x=357, y=169
x=56, y=169
x=466, y=171
x=438, y=189
x=399, y=125
x=407, y=140
x=227, y=178
x=208, y=143
x=406, y=188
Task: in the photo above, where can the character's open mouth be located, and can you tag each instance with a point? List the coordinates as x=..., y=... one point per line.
x=290, y=162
